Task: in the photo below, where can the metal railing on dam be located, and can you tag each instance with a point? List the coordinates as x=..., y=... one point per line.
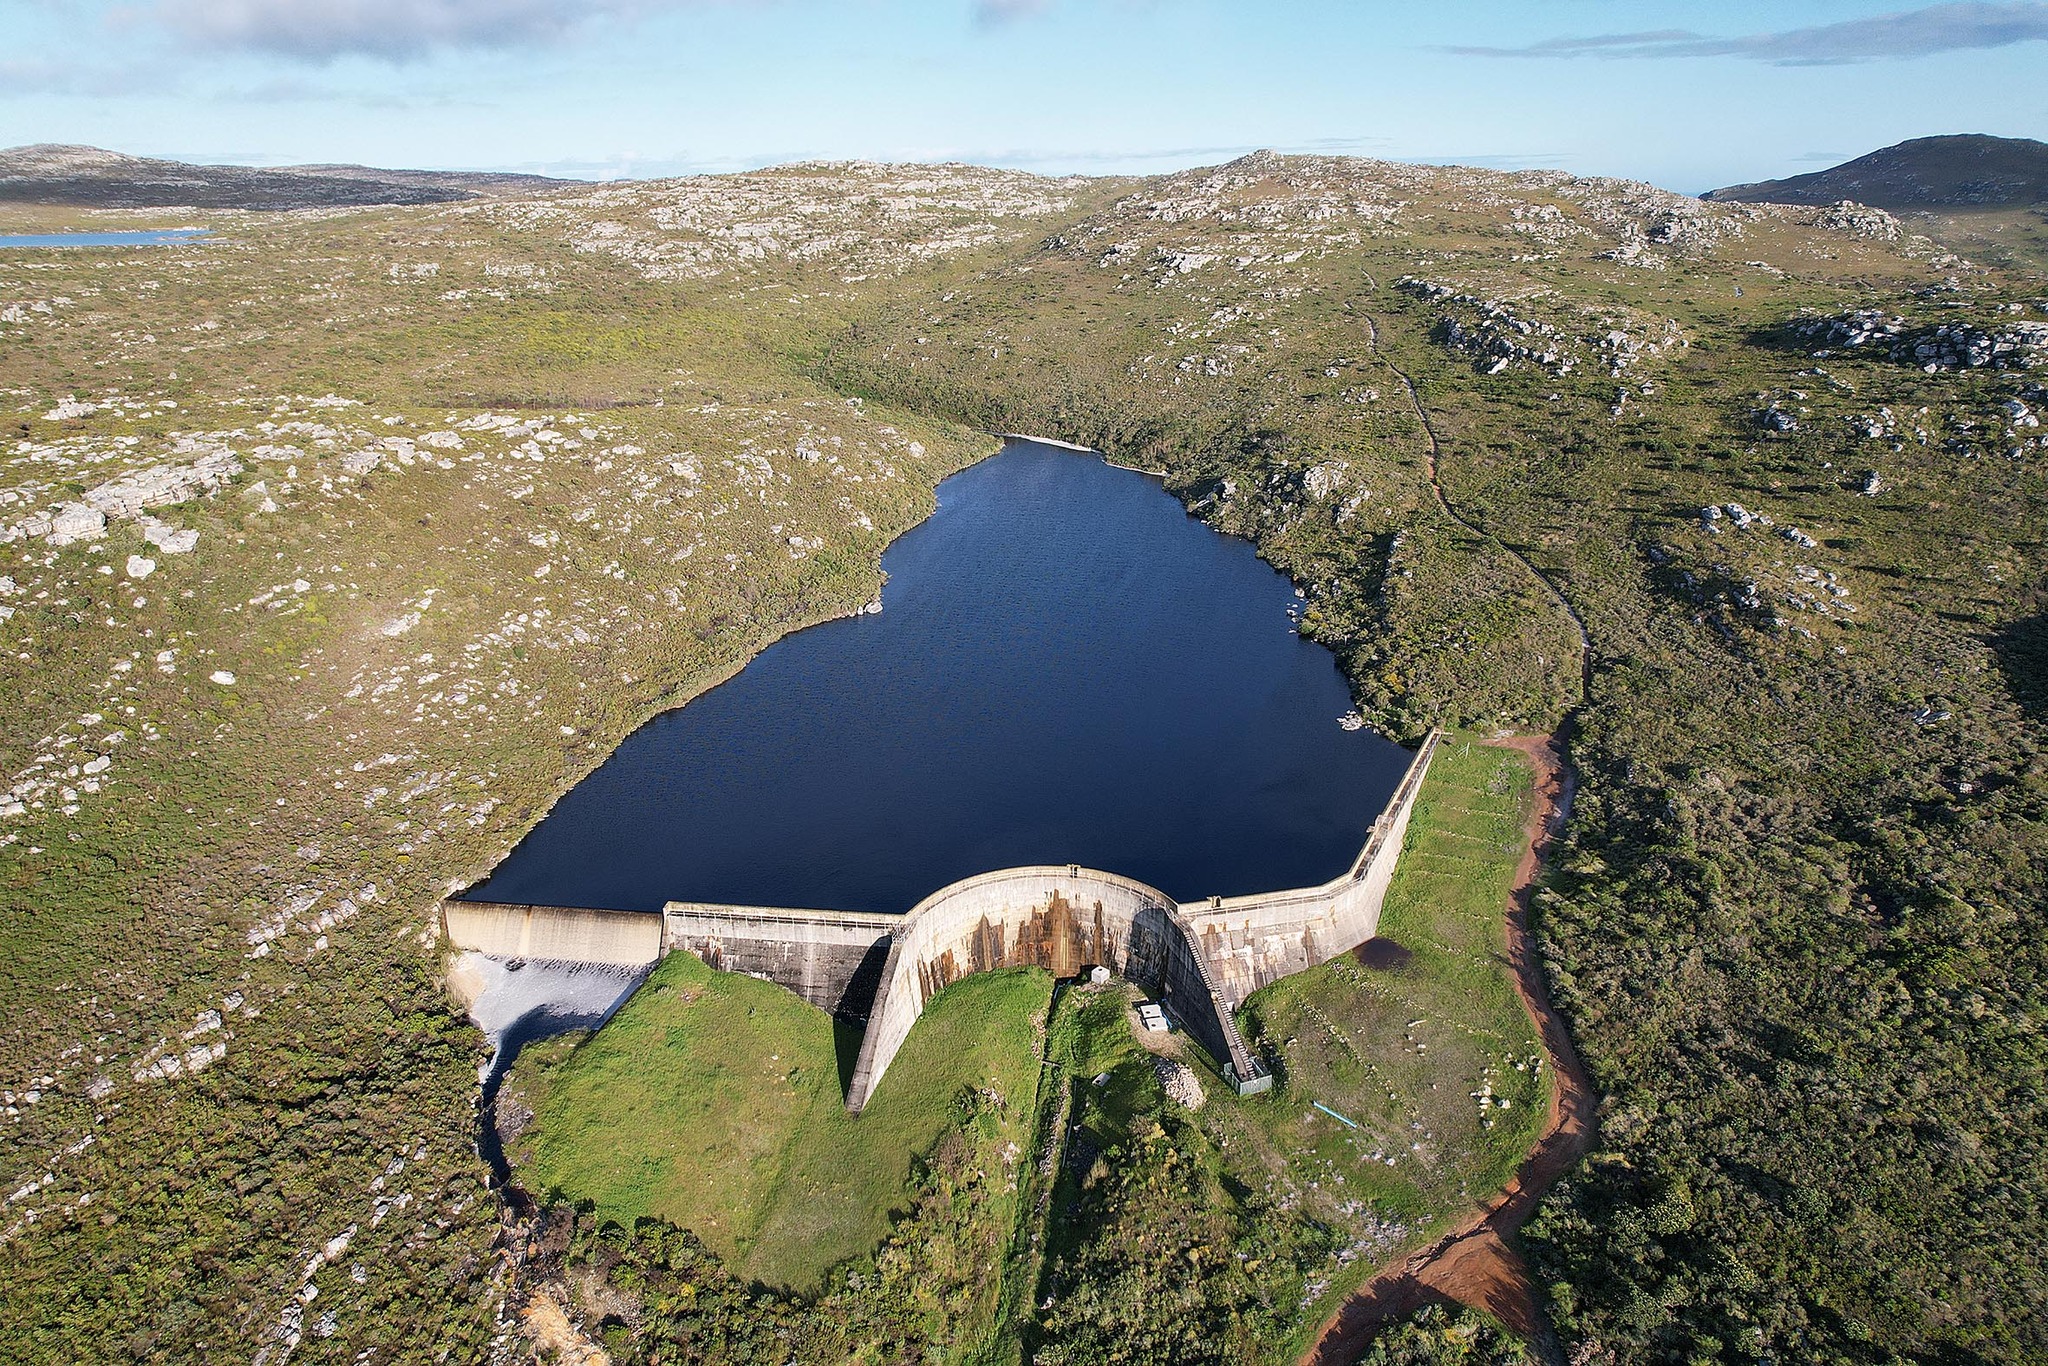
x=1203, y=958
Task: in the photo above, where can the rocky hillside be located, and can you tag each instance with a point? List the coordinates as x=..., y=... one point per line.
x=93, y=177
x=1961, y=171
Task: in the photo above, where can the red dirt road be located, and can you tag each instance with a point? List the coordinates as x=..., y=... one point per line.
x=1477, y=1263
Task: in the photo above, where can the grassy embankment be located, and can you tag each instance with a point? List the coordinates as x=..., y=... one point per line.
x=1406, y=1042
x=715, y=1101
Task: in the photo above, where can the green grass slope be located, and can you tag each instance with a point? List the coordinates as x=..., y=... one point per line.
x=713, y=1101
x=1431, y=1054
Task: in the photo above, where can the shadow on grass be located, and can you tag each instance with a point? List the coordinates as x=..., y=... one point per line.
x=846, y=1038
x=1383, y=955
x=2022, y=653
x=1275, y=1060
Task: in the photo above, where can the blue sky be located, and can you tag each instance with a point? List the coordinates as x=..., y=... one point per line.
x=1688, y=96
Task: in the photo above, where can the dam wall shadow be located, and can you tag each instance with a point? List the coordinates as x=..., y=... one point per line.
x=1202, y=958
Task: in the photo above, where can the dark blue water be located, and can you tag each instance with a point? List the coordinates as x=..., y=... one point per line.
x=152, y=238
x=1068, y=669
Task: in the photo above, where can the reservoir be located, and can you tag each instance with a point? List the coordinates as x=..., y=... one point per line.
x=154, y=237
x=1068, y=668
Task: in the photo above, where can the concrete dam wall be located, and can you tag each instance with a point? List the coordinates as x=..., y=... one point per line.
x=833, y=959
x=1063, y=920
x=1202, y=958
x=1252, y=941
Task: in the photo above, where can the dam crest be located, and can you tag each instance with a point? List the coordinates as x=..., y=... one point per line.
x=1201, y=958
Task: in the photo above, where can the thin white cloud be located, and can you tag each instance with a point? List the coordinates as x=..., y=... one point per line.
x=288, y=92
x=989, y=13
x=24, y=76
x=321, y=30
x=1909, y=33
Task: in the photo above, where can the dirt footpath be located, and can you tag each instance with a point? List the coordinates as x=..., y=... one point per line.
x=1477, y=1262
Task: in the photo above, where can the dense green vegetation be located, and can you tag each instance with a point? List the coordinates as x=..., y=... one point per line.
x=1434, y=1336
x=653, y=1293
x=1148, y=1249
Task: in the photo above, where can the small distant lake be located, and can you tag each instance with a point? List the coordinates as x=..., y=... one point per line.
x=1068, y=668
x=153, y=237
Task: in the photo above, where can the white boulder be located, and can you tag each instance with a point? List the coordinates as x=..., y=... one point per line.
x=76, y=522
x=169, y=539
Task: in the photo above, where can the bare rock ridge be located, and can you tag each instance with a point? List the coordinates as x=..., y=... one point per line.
x=91, y=176
x=1964, y=170
x=1958, y=171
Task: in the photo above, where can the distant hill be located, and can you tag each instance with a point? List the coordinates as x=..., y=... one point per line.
x=1960, y=171
x=467, y=182
x=90, y=176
